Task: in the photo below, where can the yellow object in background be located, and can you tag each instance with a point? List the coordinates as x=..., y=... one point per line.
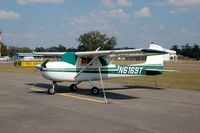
x=27, y=63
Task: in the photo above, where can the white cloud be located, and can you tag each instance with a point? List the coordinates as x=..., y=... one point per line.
x=8, y=15
x=117, y=3
x=24, y=2
x=183, y=10
x=118, y=14
x=108, y=3
x=104, y=16
x=98, y=20
x=80, y=20
x=144, y=12
x=124, y=3
x=184, y=2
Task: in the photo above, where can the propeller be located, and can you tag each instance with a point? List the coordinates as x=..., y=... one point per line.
x=43, y=65
x=40, y=66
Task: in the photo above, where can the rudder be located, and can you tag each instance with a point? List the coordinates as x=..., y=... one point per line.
x=155, y=59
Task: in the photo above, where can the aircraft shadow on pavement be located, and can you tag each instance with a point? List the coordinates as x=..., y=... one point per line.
x=136, y=87
x=85, y=91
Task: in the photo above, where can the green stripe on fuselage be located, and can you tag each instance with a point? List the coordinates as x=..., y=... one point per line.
x=118, y=69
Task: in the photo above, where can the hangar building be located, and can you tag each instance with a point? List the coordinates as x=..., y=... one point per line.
x=27, y=57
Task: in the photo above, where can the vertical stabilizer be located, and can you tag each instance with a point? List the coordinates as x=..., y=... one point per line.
x=155, y=59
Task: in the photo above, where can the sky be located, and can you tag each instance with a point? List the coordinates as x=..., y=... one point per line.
x=135, y=23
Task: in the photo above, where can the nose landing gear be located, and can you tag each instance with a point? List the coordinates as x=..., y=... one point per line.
x=73, y=87
x=51, y=90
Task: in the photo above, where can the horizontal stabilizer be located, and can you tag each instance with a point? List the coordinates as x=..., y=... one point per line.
x=161, y=70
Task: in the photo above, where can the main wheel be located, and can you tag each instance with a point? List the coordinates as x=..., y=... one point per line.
x=95, y=91
x=73, y=88
x=51, y=90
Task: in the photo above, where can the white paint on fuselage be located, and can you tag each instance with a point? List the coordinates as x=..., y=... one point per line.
x=70, y=76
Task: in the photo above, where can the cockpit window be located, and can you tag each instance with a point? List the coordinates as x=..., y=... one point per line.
x=85, y=60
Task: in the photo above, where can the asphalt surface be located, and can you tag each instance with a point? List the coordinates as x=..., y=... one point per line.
x=25, y=108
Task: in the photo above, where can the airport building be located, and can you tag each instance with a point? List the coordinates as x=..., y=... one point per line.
x=171, y=56
x=27, y=57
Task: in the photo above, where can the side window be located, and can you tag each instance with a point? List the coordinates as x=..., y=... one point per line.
x=103, y=61
x=85, y=60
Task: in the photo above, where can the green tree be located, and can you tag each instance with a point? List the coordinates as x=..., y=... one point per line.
x=12, y=50
x=71, y=50
x=4, y=50
x=175, y=48
x=188, y=51
x=196, y=51
x=24, y=50
x=40, y=49
x=60, y=48
x=92, y=40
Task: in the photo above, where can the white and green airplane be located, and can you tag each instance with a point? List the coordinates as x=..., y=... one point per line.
x=93, y=65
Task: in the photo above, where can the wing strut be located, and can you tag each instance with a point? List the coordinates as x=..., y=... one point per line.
x=104, y=93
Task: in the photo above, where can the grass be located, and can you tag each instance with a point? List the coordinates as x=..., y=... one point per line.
x=187, y=77
x=9, y=67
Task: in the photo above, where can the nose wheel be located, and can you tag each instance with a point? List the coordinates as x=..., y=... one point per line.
x=51, y=89
x=73, y=87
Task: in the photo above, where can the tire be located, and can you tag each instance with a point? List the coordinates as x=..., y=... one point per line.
x=73, y=88
x=95, y=91
x=51, y=90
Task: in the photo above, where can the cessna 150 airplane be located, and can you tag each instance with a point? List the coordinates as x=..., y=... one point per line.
x=93, y=65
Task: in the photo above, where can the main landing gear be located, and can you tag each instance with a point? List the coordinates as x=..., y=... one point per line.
x=74, y=88
x=95, y=91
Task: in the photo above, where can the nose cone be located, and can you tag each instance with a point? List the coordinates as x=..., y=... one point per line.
x=38, y=66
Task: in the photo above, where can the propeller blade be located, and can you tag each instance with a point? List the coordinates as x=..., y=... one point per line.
x=43, y=65
x=40, y=66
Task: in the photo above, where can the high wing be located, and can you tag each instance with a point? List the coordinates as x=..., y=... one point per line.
x=59, y=54
x=136, y=52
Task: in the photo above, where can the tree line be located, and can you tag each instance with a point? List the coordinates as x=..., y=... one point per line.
x=188, y=51
x=87, y=42
x=11, y=50
x=91, y=41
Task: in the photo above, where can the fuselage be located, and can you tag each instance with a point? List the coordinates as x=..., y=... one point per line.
x=62, y=71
